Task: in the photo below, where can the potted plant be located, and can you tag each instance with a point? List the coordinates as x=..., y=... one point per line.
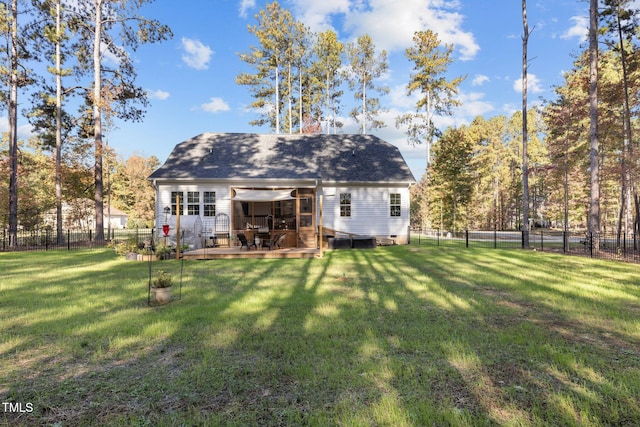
x=161, y=287
x=163, y=251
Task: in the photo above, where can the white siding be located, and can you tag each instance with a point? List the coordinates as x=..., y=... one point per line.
x=163, y=198
x=370, y=208
x=370, y=212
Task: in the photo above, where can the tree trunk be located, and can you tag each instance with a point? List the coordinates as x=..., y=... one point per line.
x=13, y=127
x=58, y=128
x=627, y=149
x=277, y=99
x=97, y=122
x=525, y=135
x=290, y=89
x=594, y=203
x=364, y=103
x=300, y=108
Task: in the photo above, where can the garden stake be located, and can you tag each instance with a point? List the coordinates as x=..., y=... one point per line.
x=149, y=285
x=181, y=269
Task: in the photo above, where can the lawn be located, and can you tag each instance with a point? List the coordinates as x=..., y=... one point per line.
x=397, y=336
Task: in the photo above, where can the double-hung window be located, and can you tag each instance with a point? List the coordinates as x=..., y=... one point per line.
x=193, y=203
x=345, y=204
x=209, y=203
x=174, y=195
x=395, y=204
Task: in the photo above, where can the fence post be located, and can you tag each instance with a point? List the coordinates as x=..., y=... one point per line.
x=68, y=240
x=438, y=235
x=542, y=240
x=591, y=244
x=466, y=237
x=495, y=237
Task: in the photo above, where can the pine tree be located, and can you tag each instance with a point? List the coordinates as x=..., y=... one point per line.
x=329, y=51
x=364, y=67
x=431, y=60
x=99, y=23
x=276, y=32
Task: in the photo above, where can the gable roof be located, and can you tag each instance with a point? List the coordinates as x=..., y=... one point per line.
x=331, y=158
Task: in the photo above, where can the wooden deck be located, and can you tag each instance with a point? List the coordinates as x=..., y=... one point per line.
x=236, y=252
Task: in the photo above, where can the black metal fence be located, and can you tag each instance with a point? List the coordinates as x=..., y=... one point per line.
x=48, y=240
x=625, y=247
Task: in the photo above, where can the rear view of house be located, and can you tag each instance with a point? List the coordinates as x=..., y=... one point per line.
x=259, y=185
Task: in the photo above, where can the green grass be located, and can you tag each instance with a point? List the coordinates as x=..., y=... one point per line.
x=396, y=336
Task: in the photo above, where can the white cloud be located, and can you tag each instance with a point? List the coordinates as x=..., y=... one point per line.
x=158, y=94
x=392, y=27
x=473, y=105
x=479, y=80
x=580, y=28
x=215, y=105
x=399, y=99
x=196, y=55
x=24, y=131
x=534, y=84
x=317, y=14
x=245, y=5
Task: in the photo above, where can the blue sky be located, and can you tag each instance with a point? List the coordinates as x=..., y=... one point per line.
x=190, y=79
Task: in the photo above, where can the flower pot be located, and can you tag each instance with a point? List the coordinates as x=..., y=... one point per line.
x=161, y=295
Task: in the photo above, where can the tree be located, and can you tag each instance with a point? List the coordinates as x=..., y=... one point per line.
x=132, y=192
x=47, y=115
x=621, y=20
x=594, y=203
x=115, y=90
x=492, y=166
x=525, y=135
x=451, y=175
x=275, y=32
x=15, y=76
x=431, y=61
x=363, y=68
x=328, y=51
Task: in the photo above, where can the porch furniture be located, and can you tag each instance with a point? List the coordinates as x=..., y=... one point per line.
x=276, y=241
x=244, y=242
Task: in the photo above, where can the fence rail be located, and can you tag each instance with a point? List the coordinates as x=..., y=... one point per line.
x=48, y=240
x=625, y=247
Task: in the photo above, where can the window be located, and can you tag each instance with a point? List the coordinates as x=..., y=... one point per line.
x=394, y=202
x=209, y=201
x=345, y=204
x=175, y=194
x=193, y=203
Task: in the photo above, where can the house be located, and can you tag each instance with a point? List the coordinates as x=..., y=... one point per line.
x=258, y=185
x=80, y=214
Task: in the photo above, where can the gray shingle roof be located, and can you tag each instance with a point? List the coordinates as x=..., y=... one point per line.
x=332, y=158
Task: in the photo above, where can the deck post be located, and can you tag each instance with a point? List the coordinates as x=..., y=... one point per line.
x=177, y=226
x=321, y=234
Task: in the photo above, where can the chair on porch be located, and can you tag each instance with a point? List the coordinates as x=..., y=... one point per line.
x=244, y=242
x=278, y=240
